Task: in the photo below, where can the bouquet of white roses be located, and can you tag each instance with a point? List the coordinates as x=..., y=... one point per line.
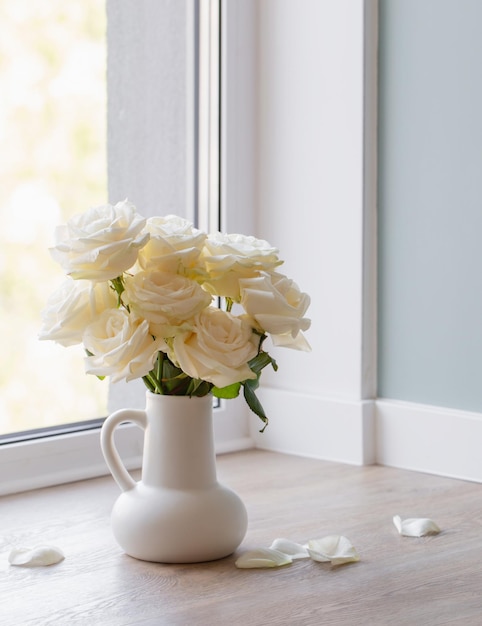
x=141, y=296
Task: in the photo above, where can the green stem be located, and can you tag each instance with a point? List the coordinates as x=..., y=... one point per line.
x=154, y=383
x=159, y=368
x=149, y=384
x=118, y=287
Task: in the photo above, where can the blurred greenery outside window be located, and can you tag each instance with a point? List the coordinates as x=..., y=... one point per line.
x=52, y=165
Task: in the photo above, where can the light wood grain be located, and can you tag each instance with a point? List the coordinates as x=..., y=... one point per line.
x=400, y=581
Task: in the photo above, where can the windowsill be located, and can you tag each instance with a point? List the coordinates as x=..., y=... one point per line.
x=421, y=580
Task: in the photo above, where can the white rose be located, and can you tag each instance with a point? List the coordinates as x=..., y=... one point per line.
x=165, y=300
x=239, y=253
x=218, y=348
x=278, y=306
x=121, y=346
x=225, y=287
x=173, y=243
x=101, y=243
x=228, y=258
x=72, y=307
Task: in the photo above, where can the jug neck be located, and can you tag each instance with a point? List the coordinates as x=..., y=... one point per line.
x=179, y=443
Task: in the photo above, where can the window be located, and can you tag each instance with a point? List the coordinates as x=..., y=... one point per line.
x=53, y=163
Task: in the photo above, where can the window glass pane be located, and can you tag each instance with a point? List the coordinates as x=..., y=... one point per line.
x=52, y=165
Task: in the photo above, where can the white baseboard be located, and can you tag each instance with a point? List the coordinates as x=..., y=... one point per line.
x=429, y=439
x=308, y=425
x=417, y=437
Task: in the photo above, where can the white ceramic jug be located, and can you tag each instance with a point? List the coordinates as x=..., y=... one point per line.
x=178, y=512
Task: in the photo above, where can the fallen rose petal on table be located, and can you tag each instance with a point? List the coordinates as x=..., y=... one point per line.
x=290, y=548
x=415, y=526
x=35, y=557
x=261, y=558
x=333, y=548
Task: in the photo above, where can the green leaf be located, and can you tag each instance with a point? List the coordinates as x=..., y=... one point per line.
x=260, y=361
x=227, y=393
x=177, y=385
x=193, y=386
x=169, y=370
x=198, y=388
x=254, y=404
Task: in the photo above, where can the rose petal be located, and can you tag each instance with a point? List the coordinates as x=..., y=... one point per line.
x=415, y=527
x=262, y=557
x=334, y=548
x=33, y=557
x=290, y=548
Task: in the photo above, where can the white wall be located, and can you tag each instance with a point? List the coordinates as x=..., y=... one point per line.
x=310, y=203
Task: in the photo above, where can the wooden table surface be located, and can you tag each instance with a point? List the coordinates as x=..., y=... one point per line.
x=399, y=581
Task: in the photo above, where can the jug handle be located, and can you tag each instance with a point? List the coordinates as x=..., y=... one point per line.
x=109, y=450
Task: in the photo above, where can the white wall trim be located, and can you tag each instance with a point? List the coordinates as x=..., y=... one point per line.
x=370, y=183
x=334, y=429
x=429, y=439
x=63, y=458
x=405, y=435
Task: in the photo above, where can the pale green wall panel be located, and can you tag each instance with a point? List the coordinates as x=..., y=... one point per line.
x=430, y=202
